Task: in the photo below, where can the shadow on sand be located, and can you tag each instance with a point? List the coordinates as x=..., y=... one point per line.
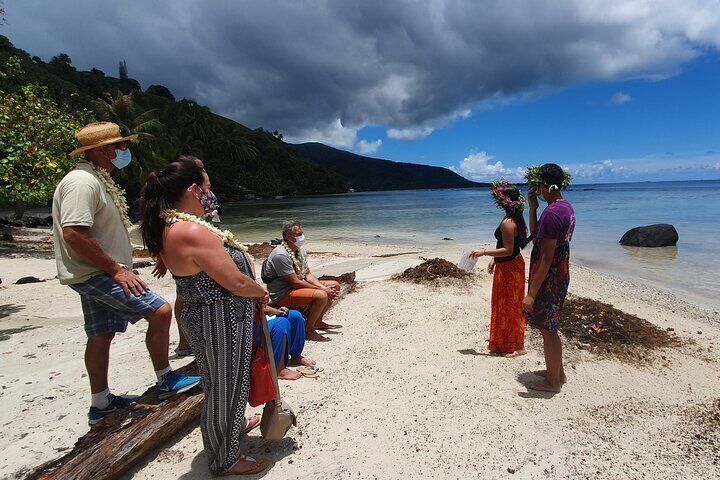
x=254, y=446
x=529, y=377
x=9, y=308
x=472, y=351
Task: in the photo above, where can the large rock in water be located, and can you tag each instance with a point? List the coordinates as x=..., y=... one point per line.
x=659, y=235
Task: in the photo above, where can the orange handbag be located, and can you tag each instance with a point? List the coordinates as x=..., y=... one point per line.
x=262, y=384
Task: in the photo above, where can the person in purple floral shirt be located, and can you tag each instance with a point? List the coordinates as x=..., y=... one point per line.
x=549, y=271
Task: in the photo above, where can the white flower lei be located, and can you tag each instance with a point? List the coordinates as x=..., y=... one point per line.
x=299, y=264
x=116, y=193
x=171, y=216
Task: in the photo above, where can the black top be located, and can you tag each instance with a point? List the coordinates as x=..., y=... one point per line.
x=516, y=247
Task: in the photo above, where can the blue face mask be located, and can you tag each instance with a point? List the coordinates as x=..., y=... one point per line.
x=122, y=158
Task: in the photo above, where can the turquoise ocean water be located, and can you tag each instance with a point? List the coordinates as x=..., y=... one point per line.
x=604, y=212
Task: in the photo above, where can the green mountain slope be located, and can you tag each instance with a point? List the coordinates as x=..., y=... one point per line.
x=365, y=173
x=237, y=158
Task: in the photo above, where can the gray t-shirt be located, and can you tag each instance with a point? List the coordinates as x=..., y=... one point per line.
x=277, y=265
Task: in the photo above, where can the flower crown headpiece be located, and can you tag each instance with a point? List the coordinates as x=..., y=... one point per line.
x=502, y=200
x=532, y=176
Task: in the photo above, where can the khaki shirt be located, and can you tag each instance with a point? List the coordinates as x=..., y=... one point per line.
x=80, y=200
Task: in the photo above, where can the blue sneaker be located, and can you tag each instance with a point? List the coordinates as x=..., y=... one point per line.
x=96, y=414
x=173, y=383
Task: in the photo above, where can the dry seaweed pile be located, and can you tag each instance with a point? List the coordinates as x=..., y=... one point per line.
x=607, y=331
x=260, y=250
x=432, y=269
x=704, y=438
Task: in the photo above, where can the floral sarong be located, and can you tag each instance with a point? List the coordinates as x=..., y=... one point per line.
x=550, y=297
x=507, y=325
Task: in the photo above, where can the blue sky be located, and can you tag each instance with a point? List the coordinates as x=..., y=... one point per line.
x=613, y=90
x=648, y=129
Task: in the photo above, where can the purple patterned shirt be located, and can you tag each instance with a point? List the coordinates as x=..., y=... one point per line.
x=557, y=222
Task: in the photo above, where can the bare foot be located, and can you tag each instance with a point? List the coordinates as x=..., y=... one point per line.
x=516, y=353
x=296, y=362
x=246, y=465
x=327, y=326
x=316, y=337
x=287, y=374
x=543, y=386
x=543, y=374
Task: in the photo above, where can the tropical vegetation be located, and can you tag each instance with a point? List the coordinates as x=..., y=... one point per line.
x=239, y=159
x=35, y=137
x=44, y=103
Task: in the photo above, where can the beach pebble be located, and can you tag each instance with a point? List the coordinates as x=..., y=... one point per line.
x=511, y=470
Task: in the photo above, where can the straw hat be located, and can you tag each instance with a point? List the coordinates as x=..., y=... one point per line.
x=98, y=134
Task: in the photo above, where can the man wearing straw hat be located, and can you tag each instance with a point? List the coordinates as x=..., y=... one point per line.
x=94, y=257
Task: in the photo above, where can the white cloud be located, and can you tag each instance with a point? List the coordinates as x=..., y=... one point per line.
x=334, y=134
x=482, y=167
x=422, y=131
x=365, y=147
x=479, y=167
x=406, y=65
x=619, y=98
x=595, y=170
x=411, y=133
x=705, y=166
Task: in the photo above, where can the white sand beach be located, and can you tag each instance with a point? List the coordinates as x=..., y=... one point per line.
x=407, y=391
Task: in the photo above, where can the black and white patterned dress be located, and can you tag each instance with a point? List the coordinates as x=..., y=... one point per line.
x=219, y=327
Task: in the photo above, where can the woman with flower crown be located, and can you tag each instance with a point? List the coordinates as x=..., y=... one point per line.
x=507, y=325
x=215, y=279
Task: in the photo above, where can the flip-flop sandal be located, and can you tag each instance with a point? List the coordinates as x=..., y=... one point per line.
x=260, y=465
x=329, y=327
x=252, y=423
x=308, y=372
x=310, y=369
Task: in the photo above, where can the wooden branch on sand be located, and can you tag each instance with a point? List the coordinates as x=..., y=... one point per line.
x=125, y=437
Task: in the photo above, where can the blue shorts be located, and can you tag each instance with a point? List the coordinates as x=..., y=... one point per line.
x=107, y=309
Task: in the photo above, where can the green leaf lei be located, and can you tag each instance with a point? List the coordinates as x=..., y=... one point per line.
x=532, y=177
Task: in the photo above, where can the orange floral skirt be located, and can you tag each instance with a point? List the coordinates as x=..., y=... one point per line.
x=507, y=323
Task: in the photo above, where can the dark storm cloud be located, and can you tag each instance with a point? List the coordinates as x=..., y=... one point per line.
x=323, y=69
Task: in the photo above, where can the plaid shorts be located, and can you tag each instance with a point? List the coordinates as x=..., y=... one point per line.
x=107, y=309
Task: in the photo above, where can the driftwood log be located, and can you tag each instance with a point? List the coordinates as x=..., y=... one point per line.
x=123, y=438
x=346, y=281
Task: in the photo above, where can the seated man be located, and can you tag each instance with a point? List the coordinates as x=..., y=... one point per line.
x=287, y=334
x=291, y=284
